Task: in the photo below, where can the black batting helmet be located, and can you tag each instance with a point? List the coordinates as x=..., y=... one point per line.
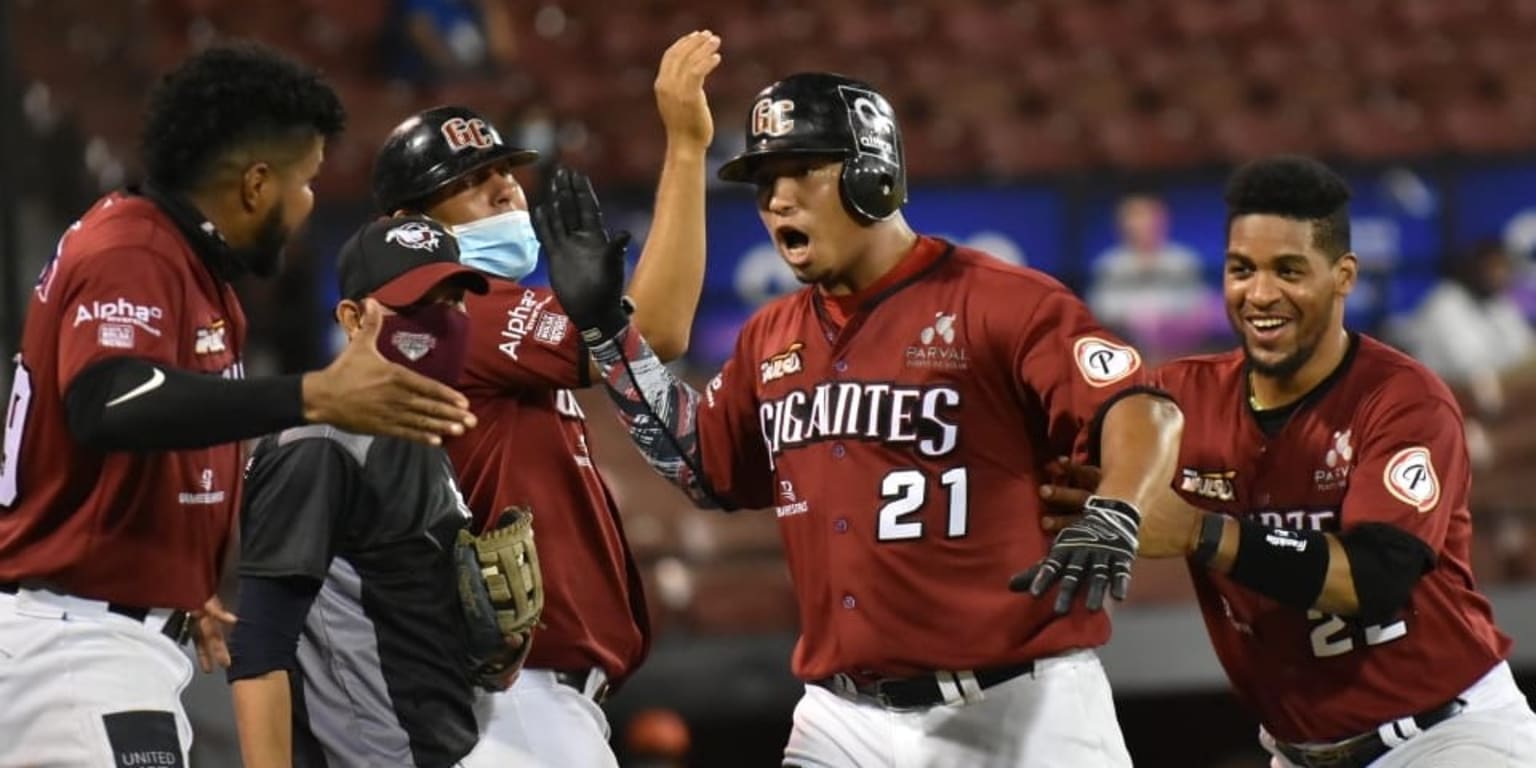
x=819, y=113
x=433, y=148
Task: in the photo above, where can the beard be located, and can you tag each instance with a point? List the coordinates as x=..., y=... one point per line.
x=1286, y=366
x=264, y=256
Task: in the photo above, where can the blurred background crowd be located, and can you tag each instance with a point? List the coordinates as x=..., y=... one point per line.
x=1087, y=138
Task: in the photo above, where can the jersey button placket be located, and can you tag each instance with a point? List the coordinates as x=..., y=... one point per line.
x=838, y=451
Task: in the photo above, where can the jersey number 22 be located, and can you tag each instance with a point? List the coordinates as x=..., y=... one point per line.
x=1335, y=636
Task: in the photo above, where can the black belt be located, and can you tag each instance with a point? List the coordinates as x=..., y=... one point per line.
x=578, y=680
x=178, y=626
x=924, y=691
x=1360, y=751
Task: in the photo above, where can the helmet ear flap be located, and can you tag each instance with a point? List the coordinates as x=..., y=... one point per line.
x=872, y=189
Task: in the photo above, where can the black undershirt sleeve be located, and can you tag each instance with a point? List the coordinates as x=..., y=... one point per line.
x=272, y=613
x=1386, y=563
x=130, y=404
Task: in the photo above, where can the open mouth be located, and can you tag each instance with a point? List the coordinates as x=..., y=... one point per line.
x=794, y=241
x=1268, y=326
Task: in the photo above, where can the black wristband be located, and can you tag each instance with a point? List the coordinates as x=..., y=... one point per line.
x=595, y=330
x=1287, y=566
x=1212, y=524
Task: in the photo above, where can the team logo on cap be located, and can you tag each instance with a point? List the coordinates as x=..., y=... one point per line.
x=418, y=235
x=872, y=121
x=414, y=346
x=474, y=133
x=773, y=118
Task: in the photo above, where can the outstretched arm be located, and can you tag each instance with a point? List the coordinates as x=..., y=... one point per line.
x=659, y=411
x=1139, y=440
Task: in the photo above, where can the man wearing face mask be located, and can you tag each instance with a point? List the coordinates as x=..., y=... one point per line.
x=351, y=647
x=120, y=463
x=523, y=362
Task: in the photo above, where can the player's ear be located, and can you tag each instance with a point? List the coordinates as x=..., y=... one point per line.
x=1345, y=272
x=349, y=315
x=257, y=183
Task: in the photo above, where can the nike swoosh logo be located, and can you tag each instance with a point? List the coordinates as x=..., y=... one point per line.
x=155, y=380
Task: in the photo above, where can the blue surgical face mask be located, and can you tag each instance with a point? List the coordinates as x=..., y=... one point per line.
x=503, y=245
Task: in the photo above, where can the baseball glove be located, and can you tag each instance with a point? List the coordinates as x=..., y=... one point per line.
x=502, y=592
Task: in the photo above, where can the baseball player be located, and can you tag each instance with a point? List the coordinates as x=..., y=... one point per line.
x=119, y=469
x=1322, y=503
x=896, y=414
x=352, y=647
x=524, y=360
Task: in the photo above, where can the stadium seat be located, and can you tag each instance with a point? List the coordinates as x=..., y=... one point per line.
x=1170, y=139
x=1248, y=134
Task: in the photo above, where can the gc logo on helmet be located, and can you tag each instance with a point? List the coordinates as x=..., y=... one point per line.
x=835, y=116
x=429, y=151
x=473, y=132
x=772, y=118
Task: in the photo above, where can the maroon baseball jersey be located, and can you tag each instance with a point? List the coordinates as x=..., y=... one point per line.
x=1380, y=441
x=530, y=448
x=143, y=529
x=902, y=449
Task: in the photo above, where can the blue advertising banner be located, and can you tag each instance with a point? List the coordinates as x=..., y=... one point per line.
x=1404, y=220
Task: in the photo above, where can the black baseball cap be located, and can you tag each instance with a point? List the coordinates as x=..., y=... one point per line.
x=398, y=260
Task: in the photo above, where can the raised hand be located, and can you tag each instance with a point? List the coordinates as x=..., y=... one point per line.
x=586, y=267
x=362, y=392
x=680, y=89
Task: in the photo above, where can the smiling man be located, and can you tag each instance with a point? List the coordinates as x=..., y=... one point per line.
x=1322, y=503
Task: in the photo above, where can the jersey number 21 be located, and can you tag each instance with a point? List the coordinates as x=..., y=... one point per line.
x=905, y=491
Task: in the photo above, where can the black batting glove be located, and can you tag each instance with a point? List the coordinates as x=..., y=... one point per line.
x=586, y=267
x=1099, y=547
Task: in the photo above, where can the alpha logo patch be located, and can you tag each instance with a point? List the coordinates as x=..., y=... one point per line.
x=1104, y=362
x=115, y=336
x=1410, y=476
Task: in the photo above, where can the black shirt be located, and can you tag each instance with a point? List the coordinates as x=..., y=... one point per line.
x=367, y=524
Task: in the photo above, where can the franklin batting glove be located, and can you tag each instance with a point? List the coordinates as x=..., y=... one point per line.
x=1100, y=545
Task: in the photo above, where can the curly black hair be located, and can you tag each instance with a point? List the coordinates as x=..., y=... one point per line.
x=226, y=98
x=1297, y=188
